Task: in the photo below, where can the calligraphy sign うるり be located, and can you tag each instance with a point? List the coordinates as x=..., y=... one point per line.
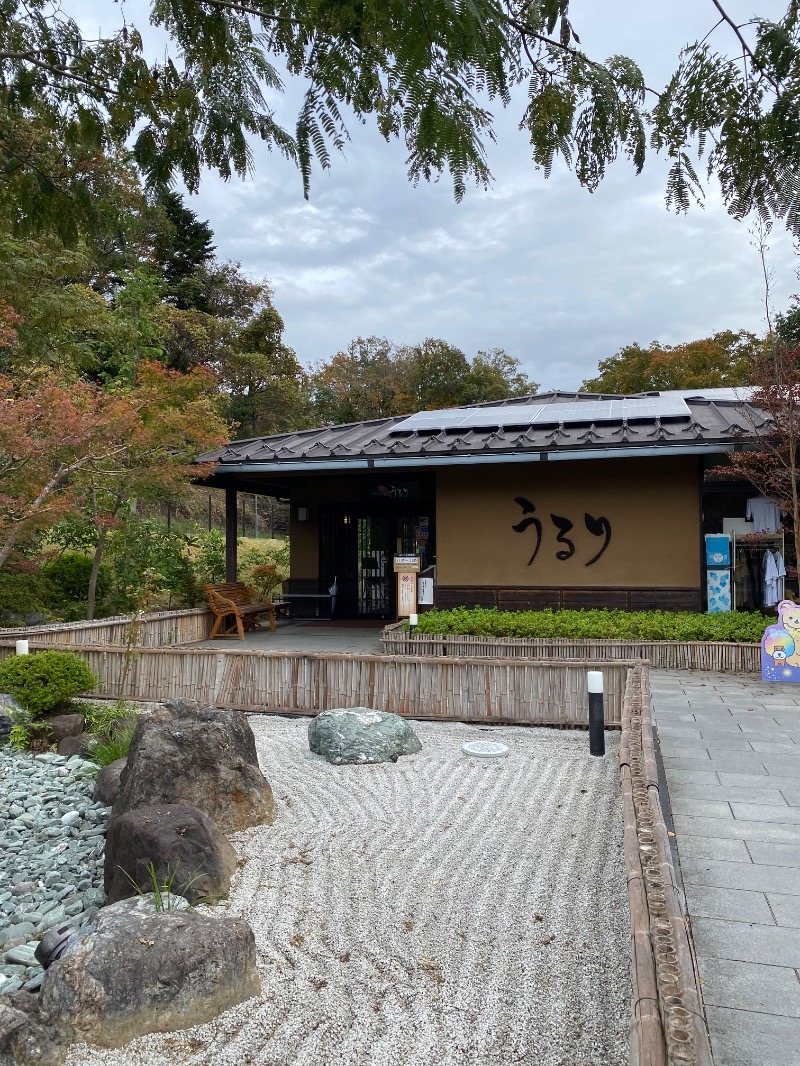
x=598, y=527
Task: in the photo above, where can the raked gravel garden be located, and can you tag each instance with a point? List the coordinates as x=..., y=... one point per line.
x=469, y=912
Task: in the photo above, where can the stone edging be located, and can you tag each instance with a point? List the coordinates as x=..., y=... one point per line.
x=668, y=1021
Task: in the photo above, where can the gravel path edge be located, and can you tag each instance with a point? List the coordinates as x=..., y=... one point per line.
x=668, y=1019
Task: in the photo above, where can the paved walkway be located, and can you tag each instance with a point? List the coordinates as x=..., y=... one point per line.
x=299, y=636
x=731, y=749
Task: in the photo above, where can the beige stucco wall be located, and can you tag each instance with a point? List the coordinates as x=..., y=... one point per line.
x=652, y=505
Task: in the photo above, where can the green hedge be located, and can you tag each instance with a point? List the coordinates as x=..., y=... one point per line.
x=736, y=627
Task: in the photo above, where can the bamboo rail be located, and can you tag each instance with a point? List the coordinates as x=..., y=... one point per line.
x=668, y=1024
x=498, y=691
x=157, y=630
x=661, y=654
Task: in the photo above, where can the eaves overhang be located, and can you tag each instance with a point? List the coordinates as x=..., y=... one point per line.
x=327, y=465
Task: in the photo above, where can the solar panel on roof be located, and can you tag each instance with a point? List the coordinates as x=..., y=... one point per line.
x=664, y=407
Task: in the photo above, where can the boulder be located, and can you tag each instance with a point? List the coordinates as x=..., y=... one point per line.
x=27, y=1034
x=132, y=970
x=65, y=725
x=184, y=753
x=361, y=735
x=107, y=785
x=185, y=848
x=75, y=745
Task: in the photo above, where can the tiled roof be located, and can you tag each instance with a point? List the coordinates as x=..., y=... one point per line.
x=714, y=419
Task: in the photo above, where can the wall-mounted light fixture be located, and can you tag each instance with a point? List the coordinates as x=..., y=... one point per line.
x=302, y=514
x=346, y=520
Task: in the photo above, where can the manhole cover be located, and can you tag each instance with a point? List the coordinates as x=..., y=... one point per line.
x=485, y=749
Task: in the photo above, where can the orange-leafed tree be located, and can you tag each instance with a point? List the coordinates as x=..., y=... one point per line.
x=67, y=446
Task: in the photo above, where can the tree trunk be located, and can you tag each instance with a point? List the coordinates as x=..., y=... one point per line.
x=98, y=555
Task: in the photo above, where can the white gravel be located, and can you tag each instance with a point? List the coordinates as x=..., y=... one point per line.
x=440, y=910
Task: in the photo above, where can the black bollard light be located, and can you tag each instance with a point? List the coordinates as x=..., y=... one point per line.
x=413, y=622
x=597, y=738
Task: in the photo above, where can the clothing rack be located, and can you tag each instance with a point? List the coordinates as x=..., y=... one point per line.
x=757, y=543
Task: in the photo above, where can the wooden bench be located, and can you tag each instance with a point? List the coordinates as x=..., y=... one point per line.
x=233, y=601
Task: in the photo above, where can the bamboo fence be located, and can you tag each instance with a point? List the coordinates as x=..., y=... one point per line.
x=157, y=630
x=668, y=1024
x=522, y=691
x=661, y=654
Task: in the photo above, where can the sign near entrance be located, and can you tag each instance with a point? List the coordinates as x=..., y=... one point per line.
x=407, y=564
x=406, y=595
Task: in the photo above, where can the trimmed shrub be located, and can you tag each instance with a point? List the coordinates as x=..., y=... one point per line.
x=44, y=681
x=735, y=627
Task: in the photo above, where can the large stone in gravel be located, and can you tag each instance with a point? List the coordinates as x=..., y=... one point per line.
x=65, y=725
x=183, y=845
x=202, y=756
x=27, y=1034
x=74, y=745
x=132, y=971
x=361, y=735
x=107, y=786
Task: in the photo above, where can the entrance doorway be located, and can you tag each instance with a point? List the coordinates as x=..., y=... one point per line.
x=357, y=549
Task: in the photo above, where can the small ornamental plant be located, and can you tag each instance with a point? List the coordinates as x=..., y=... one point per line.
x=45, y=681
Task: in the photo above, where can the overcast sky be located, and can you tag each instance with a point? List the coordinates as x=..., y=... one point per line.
x=558, y=277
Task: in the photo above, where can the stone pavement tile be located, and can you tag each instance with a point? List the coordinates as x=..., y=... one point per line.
x=747, y=1038
x=713, y=848
x=749, y=986
x=751, y=877
x=751, y=724
x=745, y=762
x=793, y=734
x=724, y=793
x=736, y=830
x=699, y=777
x=785, y=908
x=775, y=854
x=702, y=808
x=782, y=764
x=762, y=812
x=775, y=746
x=770, y=945
x=686, y=731
x=734, y=904
x=725, y=741
x=729, y=777
x=698, y=760
x=792, y=795
x=676, y=718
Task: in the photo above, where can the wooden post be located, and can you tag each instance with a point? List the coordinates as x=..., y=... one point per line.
x=231, y=523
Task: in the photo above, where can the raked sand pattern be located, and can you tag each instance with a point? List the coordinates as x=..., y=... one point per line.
x=440, y=910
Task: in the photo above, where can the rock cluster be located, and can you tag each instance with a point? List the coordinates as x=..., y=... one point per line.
x=132, y=967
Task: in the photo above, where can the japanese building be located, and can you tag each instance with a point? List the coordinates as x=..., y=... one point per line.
x=555, y=500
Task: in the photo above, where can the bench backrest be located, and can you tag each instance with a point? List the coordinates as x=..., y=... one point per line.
x=235, y=591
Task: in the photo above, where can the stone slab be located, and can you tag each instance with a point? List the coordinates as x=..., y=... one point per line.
x=753, y=877
x=773, y=854
x=704, y=808
x=786, y=909
x=737, y=830
x=762, y=812
x=679, y=790
x=772, y=747
x=733, y=904
x=747, y=1038
x=749, y=986
x=769, y=945
x=728, y=777
x=715, y=848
